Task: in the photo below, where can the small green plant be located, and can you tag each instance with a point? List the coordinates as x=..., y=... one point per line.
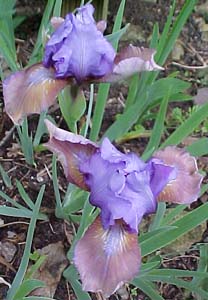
x=179, y=116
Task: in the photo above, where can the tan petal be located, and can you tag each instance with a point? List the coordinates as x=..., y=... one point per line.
x=101, y=25
x=72, y=150
x=132, y=60
x=106, y=259
x=30, y=91
x=186, y=187
x=56, y=22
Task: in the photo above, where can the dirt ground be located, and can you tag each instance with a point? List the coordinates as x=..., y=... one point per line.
x=192, y=51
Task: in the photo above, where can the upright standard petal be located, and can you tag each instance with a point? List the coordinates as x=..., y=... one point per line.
x=30, y=91
x=132, y=60
x=78, y=48
x=72, y=150
x=185, y=187
x=108, y=258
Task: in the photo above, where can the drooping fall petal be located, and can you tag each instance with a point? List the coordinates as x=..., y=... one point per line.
x=185, y=187
x=106, y=259
x=72, y=150
x=30, y=91
x=132, y=60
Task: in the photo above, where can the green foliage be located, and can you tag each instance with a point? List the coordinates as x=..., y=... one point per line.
x=7, y=38
x=179, y=116
x=5, y=177
x=72, y=106
x=18, y=210
x=19, y=287
x=147, y=98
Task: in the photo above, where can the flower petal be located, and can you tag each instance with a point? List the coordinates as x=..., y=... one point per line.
x=72, y=150
x=56, y=22
x=132, y=60
x=101, y=25
x=78, y=48
x=30, y=91
x=106, y=259
x=161, y=175
x=120, y=186
x=185, y=187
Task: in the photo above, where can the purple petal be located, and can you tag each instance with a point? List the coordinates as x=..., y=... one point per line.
x=110, y=153
x=161, y=175
x=72, y=150
x=78, y=49
x=120, y=186
x=30, y=91
x=56, y=40
x=106, y=259
x=185, y=187
x=132, y=60
x=85, y=14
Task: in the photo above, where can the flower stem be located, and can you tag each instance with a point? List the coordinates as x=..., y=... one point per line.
x=89, y=109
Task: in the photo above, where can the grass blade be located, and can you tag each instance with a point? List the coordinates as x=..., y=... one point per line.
x=182, y=226
x=148, y=288
x=159, y=125
x=37, y=51
x=71, y=275
x=199, y=148
x=25, y=258
x=6, y=179
x=187, y=127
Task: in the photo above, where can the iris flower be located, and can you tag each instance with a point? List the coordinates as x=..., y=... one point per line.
x=124, y=188
x=76, y=53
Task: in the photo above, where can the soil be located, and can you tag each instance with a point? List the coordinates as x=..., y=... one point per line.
x=139, y=13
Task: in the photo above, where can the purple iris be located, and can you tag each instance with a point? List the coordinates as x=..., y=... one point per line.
x=76, y=53
x=78, y=49
x=123, y=186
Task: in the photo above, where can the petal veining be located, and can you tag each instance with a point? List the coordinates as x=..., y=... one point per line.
x=106, y=259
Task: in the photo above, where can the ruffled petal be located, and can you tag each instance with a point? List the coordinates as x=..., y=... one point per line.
x=132, y=60
x=185, y=187
x=30, y=91
x=55, y=42
x=161, y=175
x=110, y=153
x=120, y=187
x=72, y=150
x=78, y=48
x=106, y=259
